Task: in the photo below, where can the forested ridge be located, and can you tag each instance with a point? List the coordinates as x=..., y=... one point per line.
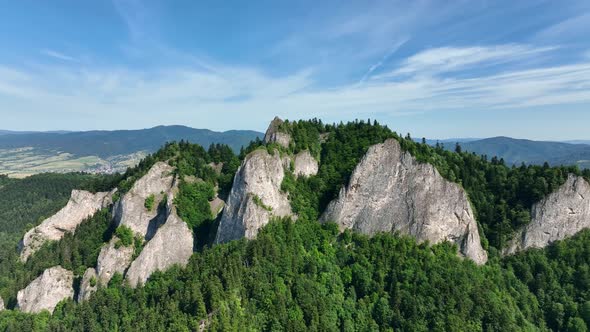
x=305, y=276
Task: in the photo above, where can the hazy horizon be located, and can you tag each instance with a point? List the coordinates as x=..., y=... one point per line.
x=434, y=69
x=570, y=141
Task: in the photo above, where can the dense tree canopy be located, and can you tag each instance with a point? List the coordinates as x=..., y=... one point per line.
x=305, y=276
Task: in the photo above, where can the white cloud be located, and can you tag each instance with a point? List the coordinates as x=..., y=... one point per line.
x=241, y=97
x=377, y=65
x=58, y=55
x=447, y=59
x=573, y=27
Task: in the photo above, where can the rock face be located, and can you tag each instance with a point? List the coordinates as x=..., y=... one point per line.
x=112, y=260
x=562, y=214
x=45, y=292
x=305, y=164
x=82, y=204
x=131, y=210
x=88, y=285
x=254, y=198
x=2, y=304
x=273, y=135
x=390, y=191
x=172, y=244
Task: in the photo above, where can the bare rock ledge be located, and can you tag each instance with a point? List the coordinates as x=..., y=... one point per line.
x=45, y=292
x=560, y=215
x=389, y=191
x=255, y=197
x=82, y=204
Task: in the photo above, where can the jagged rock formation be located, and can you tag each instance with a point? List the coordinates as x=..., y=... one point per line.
x=216, y=206
x=273, y=135
x=255, y=197
x=45, y=292
x=131, y=210
x=88, y=285
x=305, y=164
x=172, y=244
x=562, y=214
x=82, y=204
x=389, y=191
x=113, y=259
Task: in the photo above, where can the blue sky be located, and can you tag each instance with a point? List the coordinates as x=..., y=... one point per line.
x=432, y=68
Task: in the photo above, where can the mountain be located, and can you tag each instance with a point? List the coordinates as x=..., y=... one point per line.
x=315, y=227
x=578, y=142
x=121, y=142
x=12, y=132
x=100, y=151
x=516, y=151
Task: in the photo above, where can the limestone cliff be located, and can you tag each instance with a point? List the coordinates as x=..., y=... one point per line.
x=131, y=211
x=389, y=191
x=562, y=214
x=82, y=204
x=45, y=292
x=305, y=164
x=172, y=244
x=88, y=285
x=254, y=198
x=273, y=135
x=113, y=259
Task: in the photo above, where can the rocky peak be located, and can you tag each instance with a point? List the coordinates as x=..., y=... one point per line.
x=255, y=197
x=131, y=210
x=273, y=135
x=562, y=214
x=82, y=204
x=305, y=164
x=172, y=245
x=45, y=292
x=113, y=258
x=88, y=285
x=389, y=191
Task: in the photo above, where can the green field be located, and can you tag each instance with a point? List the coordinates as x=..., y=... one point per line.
x=23, y=162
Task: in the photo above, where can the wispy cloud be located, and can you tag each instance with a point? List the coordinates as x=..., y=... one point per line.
x=244, y=95
x=58, y=55
x=377, y=65
x=448, y=59
x=573, y=27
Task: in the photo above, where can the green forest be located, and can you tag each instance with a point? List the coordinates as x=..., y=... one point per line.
x=303, y=275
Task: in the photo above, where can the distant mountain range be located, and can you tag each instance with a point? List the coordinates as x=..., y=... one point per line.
x=27, y=153
x=517, y=151
x=119, y=142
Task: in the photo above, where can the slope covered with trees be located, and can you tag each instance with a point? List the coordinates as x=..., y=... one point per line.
x=306, y=276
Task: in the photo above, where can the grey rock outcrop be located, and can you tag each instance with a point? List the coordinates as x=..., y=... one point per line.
x=389, y=191
x=560, y=215
x=113, y=259
x=255, y=197
x=88, y=285
x=2, y=304
x=172, y=245
x=273, y=135
x=45, y=292
x=131, y=211
x=82, y=204
x=305, y=164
